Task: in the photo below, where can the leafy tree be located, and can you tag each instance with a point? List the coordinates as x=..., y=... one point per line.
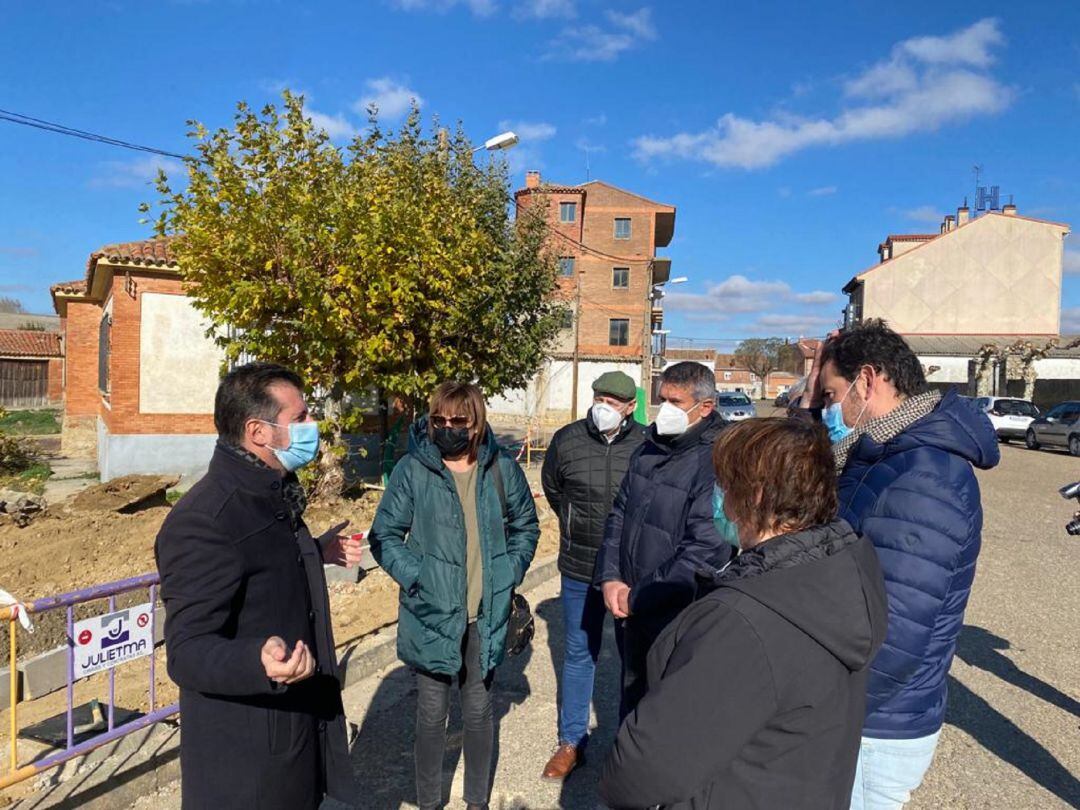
x=391, y=265
x=762, y=356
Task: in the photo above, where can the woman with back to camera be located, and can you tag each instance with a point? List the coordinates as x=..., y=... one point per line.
x=457, y=530
x=757, y=690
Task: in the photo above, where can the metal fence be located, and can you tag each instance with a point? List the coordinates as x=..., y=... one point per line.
x=68, y=601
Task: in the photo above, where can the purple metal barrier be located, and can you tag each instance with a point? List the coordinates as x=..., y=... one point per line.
x=109, y=590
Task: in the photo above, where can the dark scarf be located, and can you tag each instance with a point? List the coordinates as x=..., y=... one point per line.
x=292, y=491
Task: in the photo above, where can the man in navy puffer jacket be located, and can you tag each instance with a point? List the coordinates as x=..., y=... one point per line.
x=905, y=458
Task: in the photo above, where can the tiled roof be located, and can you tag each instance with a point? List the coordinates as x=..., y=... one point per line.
x=968, y=345
x=149, y=252
x=25, y=343
x=69, y=287
x=547, y=188
x=910, y=237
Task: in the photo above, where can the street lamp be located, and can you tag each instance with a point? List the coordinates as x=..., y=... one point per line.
x=504, y=140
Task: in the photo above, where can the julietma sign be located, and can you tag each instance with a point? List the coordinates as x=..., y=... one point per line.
x=104, y=641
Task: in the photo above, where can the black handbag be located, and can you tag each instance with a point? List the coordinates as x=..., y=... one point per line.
x=521, y=626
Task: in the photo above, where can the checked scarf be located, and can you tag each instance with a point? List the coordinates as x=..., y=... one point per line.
x=292, y=491
x=887, y=427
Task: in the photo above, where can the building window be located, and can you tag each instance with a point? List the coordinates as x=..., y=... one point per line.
x=619, y=332
x=727, y=375
x=567, y=321
x=622, y=227
x=566, y=266
x=620, y=278
x=104, y=336
x=567, y=212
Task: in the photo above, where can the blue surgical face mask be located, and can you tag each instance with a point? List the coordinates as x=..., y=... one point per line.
x=303, y=445
x=833, y=418
x=724, y=525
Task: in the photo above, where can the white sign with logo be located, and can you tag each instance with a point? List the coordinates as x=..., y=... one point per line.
x=105, y=641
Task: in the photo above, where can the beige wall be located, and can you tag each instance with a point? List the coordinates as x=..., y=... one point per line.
x=996, y=275
x=179, y=367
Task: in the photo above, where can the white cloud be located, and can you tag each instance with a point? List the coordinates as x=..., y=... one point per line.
x=595, y=43
x=739, y=294
x=391, y=97
x=336, y=126
x=583, y=144
x=792, y=324
x=927, y=83
x=529, y=130
x=546, y=9
x=1070, y=321
x=596, y=120
x=823, y=191
x=480, y=8
x=135, y=173
x=924, y=213
x=1071, y=261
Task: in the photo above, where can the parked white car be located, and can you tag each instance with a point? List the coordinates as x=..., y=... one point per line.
x=1010, y=417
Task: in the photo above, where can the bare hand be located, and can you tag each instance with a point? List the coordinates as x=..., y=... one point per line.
x=281, y=667
x=616, y=597
x=344, y=549
x=812, y=397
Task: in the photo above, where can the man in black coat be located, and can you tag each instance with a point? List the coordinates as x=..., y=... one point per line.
x=660, y=532
x=583, y=468
x=247, y=622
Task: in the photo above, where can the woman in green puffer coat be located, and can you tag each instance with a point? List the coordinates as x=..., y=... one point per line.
x=457, y=530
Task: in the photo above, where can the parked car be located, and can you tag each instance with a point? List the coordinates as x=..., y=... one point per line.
x=734, y=406
x=782, y=400
x=1060, y=427
x=1010, y=417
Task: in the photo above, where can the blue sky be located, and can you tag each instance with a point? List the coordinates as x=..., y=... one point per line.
x=791, y=136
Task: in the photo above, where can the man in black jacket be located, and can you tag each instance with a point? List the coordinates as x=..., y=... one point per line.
x=247, y=621
x=583, y=468
x=660, y=532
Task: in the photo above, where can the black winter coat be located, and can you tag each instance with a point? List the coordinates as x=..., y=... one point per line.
x=757, y=690
x=233, y=574
x=660, y=530
x=581, y=475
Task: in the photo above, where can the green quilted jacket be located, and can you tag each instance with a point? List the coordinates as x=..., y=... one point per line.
x=418, y=538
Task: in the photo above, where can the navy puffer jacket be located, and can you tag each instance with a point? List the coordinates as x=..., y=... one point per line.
x=917, y=499
x=660, y=531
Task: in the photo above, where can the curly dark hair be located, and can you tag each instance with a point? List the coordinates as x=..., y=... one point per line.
x=874, y=344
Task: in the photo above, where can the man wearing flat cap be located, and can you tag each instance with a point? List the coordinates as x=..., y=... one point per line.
x=583, y=468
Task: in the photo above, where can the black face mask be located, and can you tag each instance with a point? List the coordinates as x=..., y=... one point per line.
x=452, y=442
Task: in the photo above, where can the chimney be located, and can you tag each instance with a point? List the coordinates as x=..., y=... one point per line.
x=963, y=214
x=885, y=250
x=1009, y=210
x=532, y=179
x=949, y=224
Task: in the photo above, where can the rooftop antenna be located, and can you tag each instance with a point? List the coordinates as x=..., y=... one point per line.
x=588, y=171
x=977, y=171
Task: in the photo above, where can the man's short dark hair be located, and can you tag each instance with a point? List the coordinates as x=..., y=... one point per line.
x=688, y=374
x=874, y=344
x=245, y=394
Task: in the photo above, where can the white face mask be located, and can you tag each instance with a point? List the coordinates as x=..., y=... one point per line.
x=671, y=420
x=605, y=417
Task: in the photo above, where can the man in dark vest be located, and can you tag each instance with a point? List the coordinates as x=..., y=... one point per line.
x=247, y=620
x=583, y=468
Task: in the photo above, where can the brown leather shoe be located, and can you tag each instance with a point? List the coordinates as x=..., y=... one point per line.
x=565, y=758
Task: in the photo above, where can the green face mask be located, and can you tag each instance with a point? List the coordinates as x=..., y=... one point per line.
x=724, y=526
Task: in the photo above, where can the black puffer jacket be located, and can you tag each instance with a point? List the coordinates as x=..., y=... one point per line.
x=581, y=475
x=757, y=690
x=660, y=530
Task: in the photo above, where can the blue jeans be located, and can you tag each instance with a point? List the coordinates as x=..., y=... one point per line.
x=889, y=770
x=583, y=619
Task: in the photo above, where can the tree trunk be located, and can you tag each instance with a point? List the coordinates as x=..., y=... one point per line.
x=330, y=481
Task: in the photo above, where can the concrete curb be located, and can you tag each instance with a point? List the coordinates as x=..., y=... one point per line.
x=117, y=775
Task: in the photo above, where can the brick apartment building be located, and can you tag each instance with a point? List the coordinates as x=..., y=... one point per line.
x=140, y=371
x=607, y=241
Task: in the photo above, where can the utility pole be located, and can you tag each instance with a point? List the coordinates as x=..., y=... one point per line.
x=646, y=347
x=577, y=348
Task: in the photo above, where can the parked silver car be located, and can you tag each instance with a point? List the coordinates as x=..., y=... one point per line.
x=734, y=406
x=1059, y=427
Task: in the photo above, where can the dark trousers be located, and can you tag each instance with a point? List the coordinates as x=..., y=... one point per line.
x=635, y=636
x=432, y=709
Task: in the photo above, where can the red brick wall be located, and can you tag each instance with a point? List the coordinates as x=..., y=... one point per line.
x=123, y=415
x=56, y=380
x=80, y=328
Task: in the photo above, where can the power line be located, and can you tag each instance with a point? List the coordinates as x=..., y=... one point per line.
x=62, y=129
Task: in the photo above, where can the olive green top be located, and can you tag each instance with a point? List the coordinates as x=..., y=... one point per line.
x=474, y=559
